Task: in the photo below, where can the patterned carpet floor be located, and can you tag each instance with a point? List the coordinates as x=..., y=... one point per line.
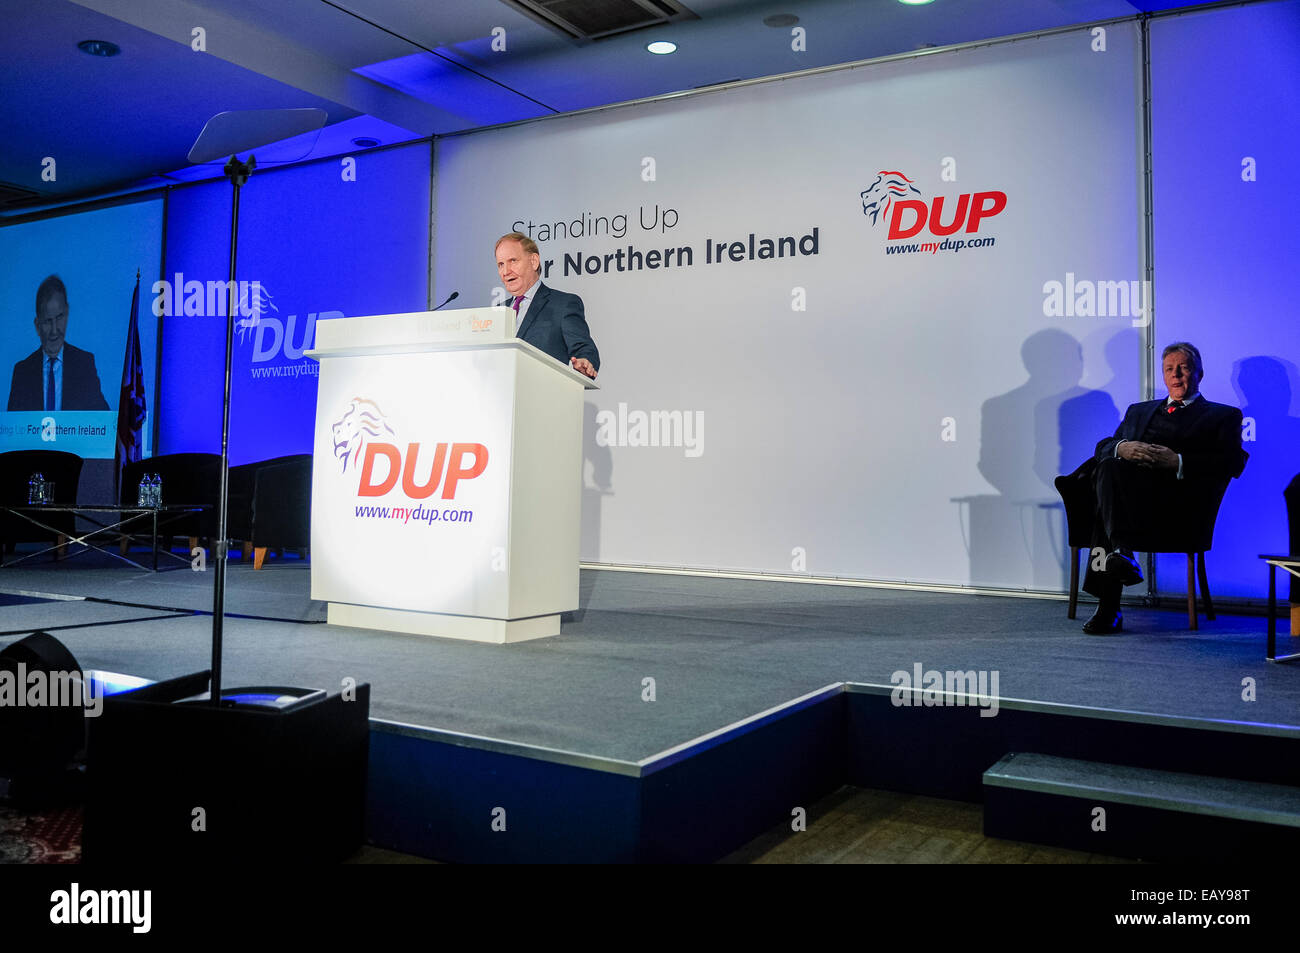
x=47, y=837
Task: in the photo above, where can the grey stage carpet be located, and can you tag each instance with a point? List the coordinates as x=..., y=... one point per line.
x=280, y=589
x=718, y=650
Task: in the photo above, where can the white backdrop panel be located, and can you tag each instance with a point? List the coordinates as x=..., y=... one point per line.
x=906, y=423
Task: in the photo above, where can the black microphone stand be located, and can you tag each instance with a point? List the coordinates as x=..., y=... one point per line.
x=237, y=172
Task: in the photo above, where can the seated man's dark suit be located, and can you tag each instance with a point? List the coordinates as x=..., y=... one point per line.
x=1136, y=503
x=555, y=323
x=80, y=382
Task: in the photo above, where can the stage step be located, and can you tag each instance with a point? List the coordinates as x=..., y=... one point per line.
x=1137, y=812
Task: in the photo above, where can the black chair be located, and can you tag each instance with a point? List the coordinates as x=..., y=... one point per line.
x=240, y=482
x=1192, y=533
x=187, y=479
x=270, y=505
x=16, y=468
x=282, y=507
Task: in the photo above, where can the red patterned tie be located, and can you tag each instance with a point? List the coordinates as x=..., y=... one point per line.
x=1174, y=406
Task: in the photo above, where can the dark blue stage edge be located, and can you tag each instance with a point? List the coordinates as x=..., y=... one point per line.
x=1138, y=812
x=438, y=794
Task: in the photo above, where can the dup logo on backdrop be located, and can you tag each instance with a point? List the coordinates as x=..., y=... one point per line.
x=888, y=199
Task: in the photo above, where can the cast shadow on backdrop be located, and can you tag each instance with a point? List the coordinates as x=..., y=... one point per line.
x=1253, y=518
x=1016, y=536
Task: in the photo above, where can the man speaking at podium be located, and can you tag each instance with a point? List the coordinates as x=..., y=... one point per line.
x=550, y=320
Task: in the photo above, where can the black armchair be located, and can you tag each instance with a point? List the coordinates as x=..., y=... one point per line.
x=239, y=512
x=1192, y=533
x=187, y=478
x=16, y=469
x=270, y=505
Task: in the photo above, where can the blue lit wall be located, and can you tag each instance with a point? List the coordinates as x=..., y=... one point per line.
x=319, y=243
x=1226, y=87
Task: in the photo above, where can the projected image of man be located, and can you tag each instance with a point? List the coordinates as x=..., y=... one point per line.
x=552, y=321
x=56, y=376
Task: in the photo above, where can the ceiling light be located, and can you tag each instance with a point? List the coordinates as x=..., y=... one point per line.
x=99, y=47
x=915, y=3
x=365, y=142
x=779, y=20
x=662, y=47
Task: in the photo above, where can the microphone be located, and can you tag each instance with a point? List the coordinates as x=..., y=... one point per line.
x=454, y=296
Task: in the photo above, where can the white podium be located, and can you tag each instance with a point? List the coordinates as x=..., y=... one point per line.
x=446, y=488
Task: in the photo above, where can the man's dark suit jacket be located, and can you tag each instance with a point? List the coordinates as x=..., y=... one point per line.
x=80, y=382
x=1178, y=514
x=1208, y=437
x=555, y=323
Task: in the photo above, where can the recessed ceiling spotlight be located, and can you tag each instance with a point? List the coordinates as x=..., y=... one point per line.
x=662, y=47
x=365, y=142
x=99, y=47
x=915, y=3
x=780, y=19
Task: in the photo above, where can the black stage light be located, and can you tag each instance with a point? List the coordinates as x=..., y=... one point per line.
x=43, y=699
x=271, y=771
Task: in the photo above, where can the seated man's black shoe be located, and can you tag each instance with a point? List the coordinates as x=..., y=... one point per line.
x=1124, y=568
x=1105, y=621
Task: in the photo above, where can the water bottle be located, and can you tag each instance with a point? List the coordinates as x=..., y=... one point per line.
x=33, y=494
x=142, y=492
x=157, y=490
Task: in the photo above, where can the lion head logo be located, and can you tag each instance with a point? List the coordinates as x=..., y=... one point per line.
x=887, y=187
x=254, y=301
x=363, y=419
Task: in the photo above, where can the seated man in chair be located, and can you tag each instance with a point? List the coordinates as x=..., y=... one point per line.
x=1165, y=455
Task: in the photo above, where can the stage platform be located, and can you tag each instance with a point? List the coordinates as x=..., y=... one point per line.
x=671, y=694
